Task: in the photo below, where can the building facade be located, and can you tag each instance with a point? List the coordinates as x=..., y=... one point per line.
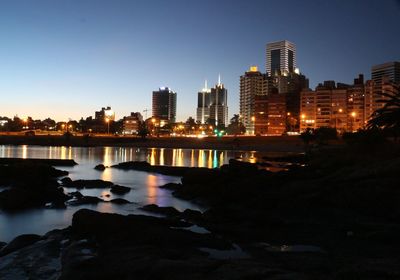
x=341, y=106
x=390, y=70
x=105, y=113
x=164, y=104
x=131, y=123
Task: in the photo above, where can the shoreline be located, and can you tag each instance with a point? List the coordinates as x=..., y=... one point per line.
x=289, y=144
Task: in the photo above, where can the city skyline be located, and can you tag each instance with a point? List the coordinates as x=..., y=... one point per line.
x=66, y=60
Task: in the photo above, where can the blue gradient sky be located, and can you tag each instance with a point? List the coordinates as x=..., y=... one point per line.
x=66, y=59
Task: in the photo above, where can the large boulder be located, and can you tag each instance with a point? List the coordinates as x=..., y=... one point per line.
x=167, y=211
x=19, y=242
x=100, y=167
x=117, y=189
x=88, y=184
x=119, y=201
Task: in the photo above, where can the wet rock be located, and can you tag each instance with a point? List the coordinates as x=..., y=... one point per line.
x=119, y=201
x=100, y=167
x=56, y=205
x=117, y=189
x=77, y=254
x=171, y=186
x=89, y=184
x=76, y=194
x=19, y=242
x=66, y=180
x=192, y=216
x=161, y=169
x=30, y=186
x=167, y=211
x=85, y=200
x=40, y=260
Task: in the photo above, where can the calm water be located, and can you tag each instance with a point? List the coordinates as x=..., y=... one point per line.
x=144, y=185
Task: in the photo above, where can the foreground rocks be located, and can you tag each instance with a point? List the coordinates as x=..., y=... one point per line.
x=30, y=185
x=110, y=246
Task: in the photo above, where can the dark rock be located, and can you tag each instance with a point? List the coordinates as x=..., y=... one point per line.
x=161, y=169
x=167, y=211
x=86, y=200
x=119, y=201
x=117, y=189
x=19, y=242
x=78, y=254
x=66, y=180
x=76, y=194
x=140, y=230
x=100, y=167
x=2, y=244
x=192, y=215
x=89, y=184
x=56, y=205
x=171, y=186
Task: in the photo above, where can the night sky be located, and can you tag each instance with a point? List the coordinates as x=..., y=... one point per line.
x=67, y=59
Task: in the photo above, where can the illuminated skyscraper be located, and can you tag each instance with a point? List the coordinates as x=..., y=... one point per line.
x=219, y=104
x=203, y=104
x=164, y=104
x=281, y=58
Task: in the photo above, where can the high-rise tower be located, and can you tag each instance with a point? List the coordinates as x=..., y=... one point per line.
x=203, y=104
x=219, y=104
x=164, y=104
x=281, y=58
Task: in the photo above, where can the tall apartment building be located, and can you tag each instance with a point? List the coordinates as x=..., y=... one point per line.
x=253, y=99
x=164, y=104
x=281, y=58
x=203, y=104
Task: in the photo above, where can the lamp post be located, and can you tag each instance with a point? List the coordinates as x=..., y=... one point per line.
x=253, y=119
x=108, y=125
x=336, y=117
x=353, y=116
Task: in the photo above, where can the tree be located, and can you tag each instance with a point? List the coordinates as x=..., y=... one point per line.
x=388, y=117
x=143, y=131
x=236, y=126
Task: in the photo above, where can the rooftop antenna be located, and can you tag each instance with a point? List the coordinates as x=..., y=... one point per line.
x=219, y=79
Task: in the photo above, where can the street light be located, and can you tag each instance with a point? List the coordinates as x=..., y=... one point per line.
x=353, y=116
x=108, y=125
x=336, y=117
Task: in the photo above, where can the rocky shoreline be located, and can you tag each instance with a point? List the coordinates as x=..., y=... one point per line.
x=335, y=218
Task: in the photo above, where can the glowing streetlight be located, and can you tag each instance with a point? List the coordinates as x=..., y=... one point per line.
x=108, y=125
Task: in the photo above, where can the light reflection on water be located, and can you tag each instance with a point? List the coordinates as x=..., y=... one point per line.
x=144, y=185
